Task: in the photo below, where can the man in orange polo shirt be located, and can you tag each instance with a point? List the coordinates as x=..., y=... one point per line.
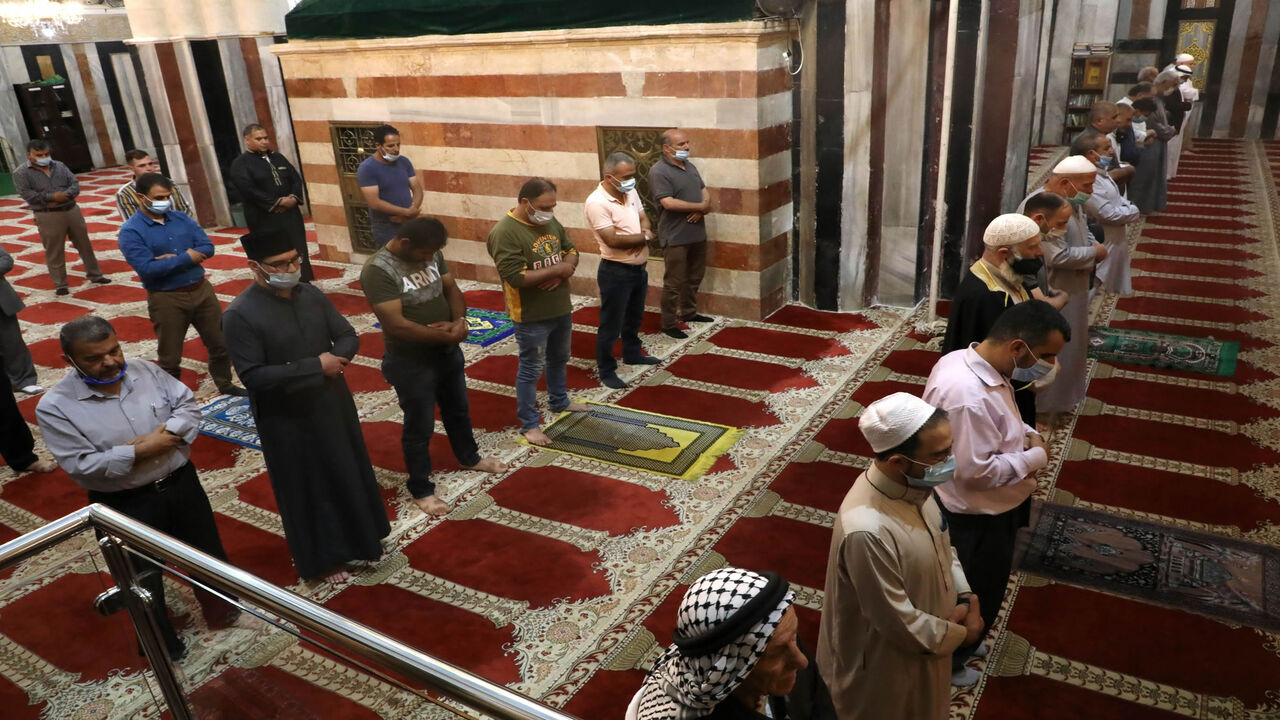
x=621, y=228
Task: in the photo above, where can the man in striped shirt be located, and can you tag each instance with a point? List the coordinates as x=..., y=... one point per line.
x=127, y=196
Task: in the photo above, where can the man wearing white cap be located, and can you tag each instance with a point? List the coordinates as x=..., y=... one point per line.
x=896, y=603
x=996, y=453
x=1190, y=118
x=1071, y=260
x=994, y=283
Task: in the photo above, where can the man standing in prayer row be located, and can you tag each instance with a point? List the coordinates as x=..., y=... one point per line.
x=1071, y=260
x=123, y=431
x=678, y=189
x=1104, y=118
x=271, y=190
x=1108, y=207
x=997, y=455
x=389, y=184
x=736, y=655
x=993, y=284
x=166, y=249
x=618, y=221
x=1149, y=188
x=50, y=190
x=896, y=604
x=289, y=345
x=424, y=318
x=535, y=259
x=128, y=201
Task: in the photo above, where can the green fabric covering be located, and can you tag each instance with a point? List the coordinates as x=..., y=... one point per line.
x=341, y=19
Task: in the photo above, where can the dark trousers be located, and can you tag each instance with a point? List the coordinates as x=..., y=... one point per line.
x=182, y=510
x=685, y=266
x=984, y=544
x=424, y=378
x=622, y=291
x=18, y=366
x=17, y=447
x=172, y=312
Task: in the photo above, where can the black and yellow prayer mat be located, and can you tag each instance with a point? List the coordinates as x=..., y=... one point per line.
x=661, y=444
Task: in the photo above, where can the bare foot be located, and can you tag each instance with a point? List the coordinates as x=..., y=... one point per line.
x=489, y=465
x=43, y=465
x=432, y=505
x=337, y=575
x=578, y=407
x=537, y=437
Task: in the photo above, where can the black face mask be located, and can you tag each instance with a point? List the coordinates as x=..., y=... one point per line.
x=1027, y=266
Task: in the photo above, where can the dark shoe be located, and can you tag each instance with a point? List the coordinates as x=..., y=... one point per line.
x=234, y=390
x=62, y=291
x=700, y=319
x=103, y=280
x=676, y=333
x=611, y=380
x=642, y=360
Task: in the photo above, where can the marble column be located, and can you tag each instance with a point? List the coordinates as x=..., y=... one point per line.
x=286, y=144
x=1025, y=79
x=806, y=137
x=103, y=99
x=84, y=103
x=202, y=130
x=1262, y=82
x=12, y=71
x=177, y=167
x=1221, y=121
x=134, y=109
x=854, y=249
x=1066, y=22
x=238, y=87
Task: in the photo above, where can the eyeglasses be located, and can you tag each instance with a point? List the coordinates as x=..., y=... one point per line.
x=296, y=262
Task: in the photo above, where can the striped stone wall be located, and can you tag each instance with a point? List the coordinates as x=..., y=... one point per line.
x=479, y=114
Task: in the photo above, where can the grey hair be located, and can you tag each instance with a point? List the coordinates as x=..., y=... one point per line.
x=84, y=329
x=1169, y=76
x=612, y=162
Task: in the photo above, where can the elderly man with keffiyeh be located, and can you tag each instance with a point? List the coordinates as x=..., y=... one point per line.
x=736, y=656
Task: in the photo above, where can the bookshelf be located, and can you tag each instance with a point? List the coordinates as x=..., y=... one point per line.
x=1086, y=85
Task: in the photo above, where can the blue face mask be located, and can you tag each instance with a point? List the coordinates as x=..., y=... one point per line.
x=95, y=382
x=1033, y=373
x=934, y=475
x=44, y=161
x=627, y=186
x=682, y=154
x=1104, y=162
x=160, y=207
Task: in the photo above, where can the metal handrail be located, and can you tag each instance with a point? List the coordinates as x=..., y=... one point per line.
x=346, y=634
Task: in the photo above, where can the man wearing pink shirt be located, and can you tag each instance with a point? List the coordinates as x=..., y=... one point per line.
x=997, y=454
x=621, y=228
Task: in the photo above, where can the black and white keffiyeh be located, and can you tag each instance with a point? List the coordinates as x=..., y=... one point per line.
x=723, y=625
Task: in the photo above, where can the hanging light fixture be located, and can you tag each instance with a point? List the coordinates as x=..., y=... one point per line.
x=47, y=17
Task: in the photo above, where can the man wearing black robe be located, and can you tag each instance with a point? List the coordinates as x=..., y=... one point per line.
x=272, y=191
x=289, y=344
x=994, y=284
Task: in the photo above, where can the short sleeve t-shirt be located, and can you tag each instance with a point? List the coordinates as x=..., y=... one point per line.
x=605, y=211
x=667, y=180
x=516, y=248
x=392, y=181
x=418, y=287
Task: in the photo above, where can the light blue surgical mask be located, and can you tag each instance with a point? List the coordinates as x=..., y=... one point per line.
x=934, y=475
x=284, y=280
x=95, y=382
x=160, y=207
x=1031, y=374
x=45, y=161
x=682, y=154
x=389, y=157
x=627, y=186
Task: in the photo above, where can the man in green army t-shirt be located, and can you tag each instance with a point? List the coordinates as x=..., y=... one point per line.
x=424, y=317
x=535, y=259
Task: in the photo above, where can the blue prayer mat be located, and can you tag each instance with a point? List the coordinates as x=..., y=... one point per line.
x=229, y=418
x=486, y=327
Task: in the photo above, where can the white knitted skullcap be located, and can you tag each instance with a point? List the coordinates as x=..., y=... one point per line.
x=1010, y=229
x=1075, y=165
x=1184, y=58
x=889, y=421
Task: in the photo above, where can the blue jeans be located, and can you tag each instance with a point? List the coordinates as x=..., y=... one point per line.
x=622, y=290
x=543, y=343
x=424, y=378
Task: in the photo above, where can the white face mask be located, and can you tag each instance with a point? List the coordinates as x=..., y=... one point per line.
x=540, y=217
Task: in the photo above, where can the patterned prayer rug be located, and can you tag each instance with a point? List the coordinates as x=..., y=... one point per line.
x=1231, y=580
x=655, y=443
x=486, y=327
x=1163, y=350
x=229, y=418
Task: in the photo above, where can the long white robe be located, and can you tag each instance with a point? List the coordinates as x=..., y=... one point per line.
x=1110, y=209
x=1071, y=260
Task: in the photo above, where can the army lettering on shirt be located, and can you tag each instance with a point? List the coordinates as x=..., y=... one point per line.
x=418, y=286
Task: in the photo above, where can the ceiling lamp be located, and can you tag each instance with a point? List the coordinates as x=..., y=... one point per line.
x=47, y=17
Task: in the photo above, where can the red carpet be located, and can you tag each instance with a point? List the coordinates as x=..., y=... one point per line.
x=562, y=577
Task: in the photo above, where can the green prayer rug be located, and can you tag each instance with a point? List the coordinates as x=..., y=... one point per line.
x=661, y=444
x=1175, y=352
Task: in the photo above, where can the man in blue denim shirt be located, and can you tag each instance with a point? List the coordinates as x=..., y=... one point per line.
x=166, y=249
